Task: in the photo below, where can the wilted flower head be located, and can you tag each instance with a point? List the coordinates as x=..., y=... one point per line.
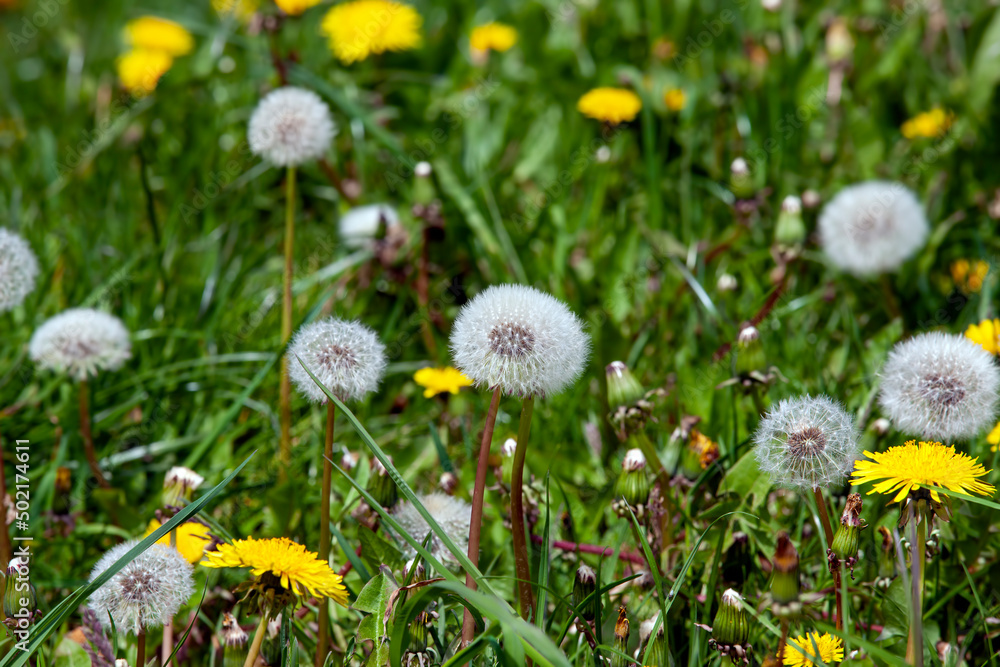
x=346, y=357
x=147, y=592
x=290, y=126
x=806, y=443
x=361, y=225
x=872, y=227
x=940, y=386
x=521, y=340
x=361, y=28
x=452, y=514
x=18, y=270
x=81, y=342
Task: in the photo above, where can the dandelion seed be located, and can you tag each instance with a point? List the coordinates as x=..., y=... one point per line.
x=147, y=592
x=346, y=357
x=872, y=227
x=290, y=126
x=81, y=342
x=611, y=105
x=806, y=443
x=523, y=341
x=18, y=270
x=360, y=226
x=940, y=386
x=452, y=514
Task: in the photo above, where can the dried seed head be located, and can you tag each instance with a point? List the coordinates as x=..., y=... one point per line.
x=18, y=270
x=290, y=126
x=81, y=342
x=346, y=357
x=452, y=514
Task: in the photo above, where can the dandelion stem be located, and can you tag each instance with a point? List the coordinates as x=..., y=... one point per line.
x=140, y=650
x=258, y=639
x=824, y=518
x=918, y=551
x=88, y=437
x=783, y=641
x=324, y=531
x=286, y=324
x=522, y=565
x=476, y=521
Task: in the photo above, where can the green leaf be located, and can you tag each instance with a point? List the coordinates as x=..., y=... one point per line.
x=376, y=551
x=746, y=481
x=375, y=627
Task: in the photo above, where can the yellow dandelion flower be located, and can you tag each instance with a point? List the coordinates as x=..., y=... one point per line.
x=192, y=538
x=928, y=465
x=492, y=36
x=295, y=7
x=929, y=124
x=441, y=380
x=140, y=70
x=986, y=334
x=611, y=105
x=994, y=438
x=299, y=571
x=969, y=277
x=800, y=652
x=151, y=33
x=241, y=9
x=360, y=28
x=675, y=98
x=706, y=449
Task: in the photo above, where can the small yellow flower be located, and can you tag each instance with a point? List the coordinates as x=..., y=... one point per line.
x=929, y=124
x=800, y=651
x=994, y=438
x=968, y=277
x=241, y=9
x=360, y=28
x=441, y=380
x=300, y=572
x=192, y=538
x=151, y=33
x=675, y=98
x=295, y=7
x=929, y=465
x=704, y=447
x=140, y=70
x=611, y=105
x=986, y=334
x=492, y=37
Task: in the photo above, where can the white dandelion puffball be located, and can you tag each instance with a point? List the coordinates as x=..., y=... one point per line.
x=360, y=225
x=147, y=592
x=346, y=357
x=807, y=443
x=521, y=340
x=940, y=386
x=18, y=270
x=872, y=227
x=81, y=342
x=290, y=126
x=451, y=513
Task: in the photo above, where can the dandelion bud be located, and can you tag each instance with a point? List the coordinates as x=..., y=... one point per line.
x=740, y=179
x=623, y=388
x=839, y=43
x=270, y=648
x=621, y=640
x=811, y=199
x=633, y=484
x=749, y=351
x=381, y=485
x=785, y=583
x=845, y=542
x=234, y=639
x=731, y=627
x=653, y=648
x=886, y=556
x=448, y=482
x=19, y=592
x=790, y=230
x=423, y=186
x=726, y=283
x=584, y=586
x=507, y=457
x=420, y=630
x=179, y=485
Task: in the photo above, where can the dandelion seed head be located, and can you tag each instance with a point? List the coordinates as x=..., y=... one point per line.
x=81, y=342
x=872, y=227
x=290, y=126
x=452, y=514
x=360, y=226
x=940, y=386
x=147, y=592
x=806, y=443
x=346, y=357
x=522, y=340
x=18, y=270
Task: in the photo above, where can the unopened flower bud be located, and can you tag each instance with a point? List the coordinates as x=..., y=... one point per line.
x=839, y=43
x=633, y=484
x=19, y=593
x=623, y=388
x=731, y=626
x=179, y=485
x=423, y=185
x=584, y=589
x=381, y=485
x=621, y=640
x=845, y=542
x=507, y=450
x=790, y=230
x=652, y=647
x=740, y=179
x=726, y=283
x=881, y=426
x=811, y=199
x=448, y=482
x=785, y=582
x=234, y=640
x=749, y=351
